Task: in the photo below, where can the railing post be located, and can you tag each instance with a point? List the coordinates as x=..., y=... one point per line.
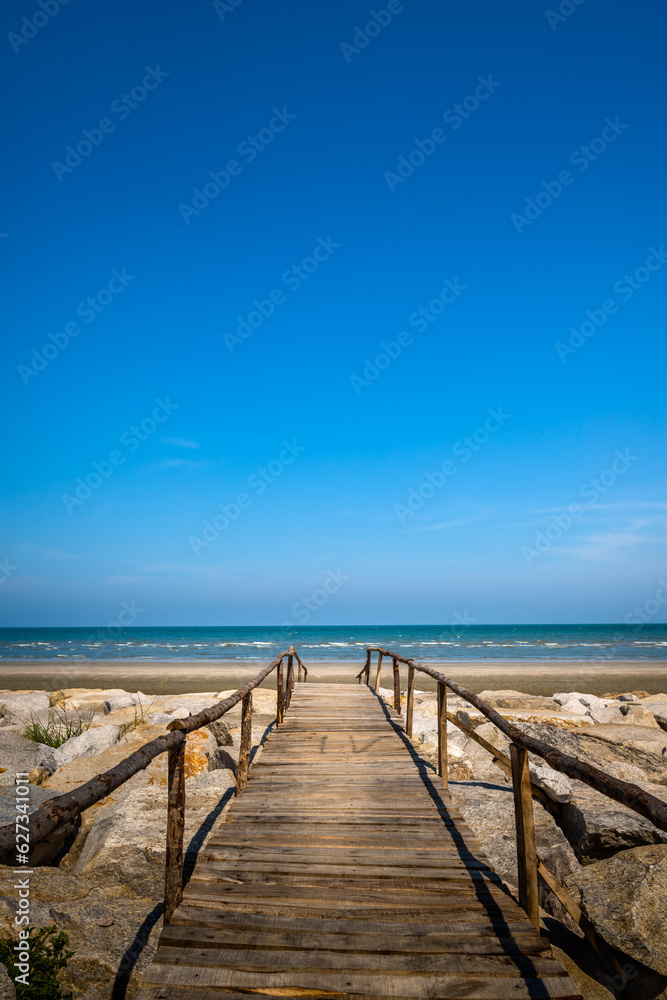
x=173, y=880
x=411, y=700
x=367, y=668
x=246, y=743
x=397, y=687
x=289, y=686
x=526, y=854
x=442, y=732
x=299, y=674
x=280, y=694
x=378, y=673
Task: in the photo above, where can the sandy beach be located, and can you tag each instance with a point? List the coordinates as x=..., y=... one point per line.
x=180, y=676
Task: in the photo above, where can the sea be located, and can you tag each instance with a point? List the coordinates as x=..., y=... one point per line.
x=339, y=642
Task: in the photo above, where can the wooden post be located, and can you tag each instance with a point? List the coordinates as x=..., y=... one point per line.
x=411, y=700
x=299, y=675
x=246, y=743
x=289, y=686
x=280, y=696
x=442, y=733
x=526, y=854
x=173, y=881
x=397, y=687
x=378, y=673
x=367, y=668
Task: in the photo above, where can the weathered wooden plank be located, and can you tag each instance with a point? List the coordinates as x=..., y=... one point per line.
x=379, y=985
x=343, y=871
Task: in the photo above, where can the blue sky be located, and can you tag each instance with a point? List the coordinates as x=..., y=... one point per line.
x=258, y=203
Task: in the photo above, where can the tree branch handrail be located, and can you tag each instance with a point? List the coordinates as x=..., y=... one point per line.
x=625, y=792
x=67, y=807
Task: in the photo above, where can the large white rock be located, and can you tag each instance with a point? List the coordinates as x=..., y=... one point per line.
x=624, y=897
x=128, y=846
x=587, y=705
x=88, y=744
x=553, y=783
x=22, y=707
x=125, y=700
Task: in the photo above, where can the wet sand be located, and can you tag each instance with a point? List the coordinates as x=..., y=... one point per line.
x=182, y=676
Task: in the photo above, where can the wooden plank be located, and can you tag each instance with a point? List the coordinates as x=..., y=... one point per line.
x=379, y=985
x=343, y=871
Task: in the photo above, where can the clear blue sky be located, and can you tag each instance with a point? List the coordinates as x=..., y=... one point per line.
x=517, y=156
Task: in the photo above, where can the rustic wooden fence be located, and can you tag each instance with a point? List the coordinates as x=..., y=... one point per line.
x=65, y=808
x=517, y=766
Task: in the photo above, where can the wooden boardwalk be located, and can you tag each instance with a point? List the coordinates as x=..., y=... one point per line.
x=342, y=871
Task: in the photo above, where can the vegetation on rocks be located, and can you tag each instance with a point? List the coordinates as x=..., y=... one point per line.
x=49, y=954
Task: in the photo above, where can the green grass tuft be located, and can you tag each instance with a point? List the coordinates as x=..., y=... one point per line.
x=49, y=953
x=57, y=729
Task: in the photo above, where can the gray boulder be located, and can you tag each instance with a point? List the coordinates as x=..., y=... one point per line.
x=22, y=707
x=127, y=847
x=489, y=811
x=553, y=783
x=659, y=710
x=88, y=744
x=600, y=752
x=113, y=934
x=7, y=991
x=587, y=705
x=20, y=754
x=220, y=731
x=159, y=719
x=597, y=827
x=624, y=897
x=125, y=700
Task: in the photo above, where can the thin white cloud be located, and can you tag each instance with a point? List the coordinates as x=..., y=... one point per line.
x=181, y=442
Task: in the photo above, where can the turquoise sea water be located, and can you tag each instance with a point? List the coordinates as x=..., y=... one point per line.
x=340, y=642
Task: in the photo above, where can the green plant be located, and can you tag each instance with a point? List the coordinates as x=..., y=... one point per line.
x=49, y=953
x=58, y=728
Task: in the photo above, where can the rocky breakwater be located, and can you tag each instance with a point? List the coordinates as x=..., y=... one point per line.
x=612, y=860
x=102, y=878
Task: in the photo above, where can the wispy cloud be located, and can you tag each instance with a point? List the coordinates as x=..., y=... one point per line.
x=180, y=442
x=49, y=553
x=446, y=525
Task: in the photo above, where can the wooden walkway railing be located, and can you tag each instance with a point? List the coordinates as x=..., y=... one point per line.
x=517, y=766
x=65, y=808
x=336, y=740
x=344, y=872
